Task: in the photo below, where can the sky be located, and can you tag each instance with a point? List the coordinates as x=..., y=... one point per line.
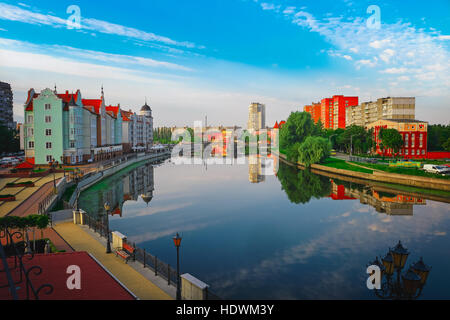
x=191, y=59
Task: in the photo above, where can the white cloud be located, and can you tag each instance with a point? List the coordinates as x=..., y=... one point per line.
x=445, y=37
x=395, y=70
x=14, y=13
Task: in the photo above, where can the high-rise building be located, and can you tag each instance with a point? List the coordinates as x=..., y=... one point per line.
x=6, y=106
x=384, y=108
x=340, y=106
x=327, y=114
x=256, y=117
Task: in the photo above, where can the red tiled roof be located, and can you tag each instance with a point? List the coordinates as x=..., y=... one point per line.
x=24, y=165
x=114, y=109
x=96, y=282
x=29, y=101
x=276, y=125
x=96, y=103
x=126, y=115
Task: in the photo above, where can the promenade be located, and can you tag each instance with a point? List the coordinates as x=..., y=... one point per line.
x=138, y=280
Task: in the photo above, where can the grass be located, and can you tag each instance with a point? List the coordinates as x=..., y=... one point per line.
x=341, y=164
x=399, y=170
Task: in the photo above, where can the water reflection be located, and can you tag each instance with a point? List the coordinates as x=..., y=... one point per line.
x=127, y=185
x=302, y=185
x=298, y=235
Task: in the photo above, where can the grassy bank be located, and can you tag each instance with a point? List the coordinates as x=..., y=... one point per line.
x=341, y=164
x=399, y=170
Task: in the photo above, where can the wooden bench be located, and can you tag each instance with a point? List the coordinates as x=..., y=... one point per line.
x=126, y=252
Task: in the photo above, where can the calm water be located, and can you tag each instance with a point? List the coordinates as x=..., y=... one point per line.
x=293, y=236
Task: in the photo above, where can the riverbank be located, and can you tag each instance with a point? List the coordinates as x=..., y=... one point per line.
x=434, y=189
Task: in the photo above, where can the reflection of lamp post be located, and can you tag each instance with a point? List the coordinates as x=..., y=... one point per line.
x=406, y=286
x=108, y=245
x=177, y=242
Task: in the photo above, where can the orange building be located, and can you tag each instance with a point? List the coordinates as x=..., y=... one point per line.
x=340, y=105
x=327, y=112
x=314, y=110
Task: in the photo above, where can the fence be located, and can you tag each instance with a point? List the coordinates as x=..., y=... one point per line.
x=159, y=267
x=363, y=159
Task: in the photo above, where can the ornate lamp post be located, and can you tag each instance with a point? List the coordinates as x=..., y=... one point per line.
x=108, y=245
x=406, y=286
x=177, y=242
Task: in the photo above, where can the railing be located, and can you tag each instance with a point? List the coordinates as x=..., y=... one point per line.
x=16, y=272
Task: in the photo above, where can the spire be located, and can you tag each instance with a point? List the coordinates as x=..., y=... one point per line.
x=103, y=94
x=55, y=88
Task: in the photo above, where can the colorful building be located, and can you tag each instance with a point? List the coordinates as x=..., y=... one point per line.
x=340, y=105
x=414, y=134
x=66, y=128
x=326, y=113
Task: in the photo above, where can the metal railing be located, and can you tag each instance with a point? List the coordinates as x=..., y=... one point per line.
x=17, y=272
x=159, y=267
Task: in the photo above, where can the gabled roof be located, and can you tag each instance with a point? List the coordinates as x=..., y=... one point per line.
x=126, y=115
x=29, y=102
x=24, y=165
x=96, y=103
x=276, y=125
x=114, y=110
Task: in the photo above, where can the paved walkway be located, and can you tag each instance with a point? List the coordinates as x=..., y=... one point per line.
x=82, y=239
x=27, y=199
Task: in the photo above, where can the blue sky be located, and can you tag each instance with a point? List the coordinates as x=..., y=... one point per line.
x=192, y=58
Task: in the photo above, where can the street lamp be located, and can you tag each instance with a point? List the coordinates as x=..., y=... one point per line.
x=406, y=286
x=108, y=245
x=177, y=242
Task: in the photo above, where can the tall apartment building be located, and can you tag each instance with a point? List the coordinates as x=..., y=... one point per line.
x=69, y=129
x=6, y=106
x=326, y=112
x=340, y=106
x=384, y=108
x=256, y=116
x=315, y=110
x=331, y=111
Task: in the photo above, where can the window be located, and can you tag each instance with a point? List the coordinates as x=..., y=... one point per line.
x=406, y=140
x=421, y=140
x=49, y=158
x=406, y=152
x=48, y=132
x=72, y=144
x=48, y=119
x=30, y=132
x=423, y=151
x=413, y=139
x=412, y=152
x=30, y=119
x=48, y=145
x=47, y=106
x=30, y=144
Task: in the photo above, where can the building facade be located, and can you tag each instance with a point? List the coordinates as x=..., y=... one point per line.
x=384, y=108
x=256, y=117
x=340, y=106
x=6, y=106
x=137, y=129
x=414, y=134
x=66, y=128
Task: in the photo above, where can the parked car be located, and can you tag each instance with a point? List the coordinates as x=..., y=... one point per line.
x=439, y=169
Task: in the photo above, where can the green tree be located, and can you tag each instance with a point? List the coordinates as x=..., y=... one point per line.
x=298, y=126
x=446, y=145
x=9, y=140
x=391, y=139
x=314, y=150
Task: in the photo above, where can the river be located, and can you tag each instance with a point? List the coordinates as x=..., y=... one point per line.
x=294, y=235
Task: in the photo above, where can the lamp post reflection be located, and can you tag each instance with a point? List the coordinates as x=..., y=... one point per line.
x=397, y=284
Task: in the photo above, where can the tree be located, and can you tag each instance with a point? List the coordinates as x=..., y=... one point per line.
x=9, y=140
x=446, y=145
x=437, y=137
x=314, y=150
x=298, y=126
x=391, y=139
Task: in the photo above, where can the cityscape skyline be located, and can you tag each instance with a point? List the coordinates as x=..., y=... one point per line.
x=281, y=54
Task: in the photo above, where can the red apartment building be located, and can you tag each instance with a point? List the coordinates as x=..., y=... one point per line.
x=340, y=105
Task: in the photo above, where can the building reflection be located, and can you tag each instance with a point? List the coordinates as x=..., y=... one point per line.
x=383, y=202
x=135, y=184
x=255, y=169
